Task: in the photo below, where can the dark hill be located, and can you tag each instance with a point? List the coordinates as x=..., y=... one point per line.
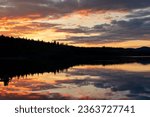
x=23, y=49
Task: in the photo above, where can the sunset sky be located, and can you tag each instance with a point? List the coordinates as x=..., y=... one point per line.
x=117, y=23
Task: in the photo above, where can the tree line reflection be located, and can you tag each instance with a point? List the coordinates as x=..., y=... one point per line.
x=10, y=69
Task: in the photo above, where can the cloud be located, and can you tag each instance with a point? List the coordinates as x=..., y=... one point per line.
x=135, y=26
x=79, y=29
x=58, y=8
x=21, y=26
x=44, y=8
x=116, y=31
x=139, y=13
x=35, y=26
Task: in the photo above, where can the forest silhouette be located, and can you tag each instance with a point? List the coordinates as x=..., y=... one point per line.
x=19, y=56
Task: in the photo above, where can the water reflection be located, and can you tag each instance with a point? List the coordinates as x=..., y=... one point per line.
x=116, y=81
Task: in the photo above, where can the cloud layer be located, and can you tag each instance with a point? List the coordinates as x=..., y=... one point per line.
x=72, y=20
x=123, y=30
x=56, y=8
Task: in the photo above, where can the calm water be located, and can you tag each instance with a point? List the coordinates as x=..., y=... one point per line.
x=122, y=81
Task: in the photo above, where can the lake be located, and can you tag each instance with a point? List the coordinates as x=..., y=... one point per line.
x=126, y=81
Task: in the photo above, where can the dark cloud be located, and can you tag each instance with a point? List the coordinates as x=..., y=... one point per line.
x=57, y=8
x=139, y=13
x=114, y=4
x=117, y=31
x=80, y=29
x=135, y=26
x=17, y=8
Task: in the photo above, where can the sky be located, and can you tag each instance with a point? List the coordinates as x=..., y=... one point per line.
x=92, y=23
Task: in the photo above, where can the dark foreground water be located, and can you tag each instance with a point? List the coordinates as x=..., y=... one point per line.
x=119, y=81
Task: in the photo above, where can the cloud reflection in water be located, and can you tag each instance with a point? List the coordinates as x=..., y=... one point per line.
x=84, y=82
